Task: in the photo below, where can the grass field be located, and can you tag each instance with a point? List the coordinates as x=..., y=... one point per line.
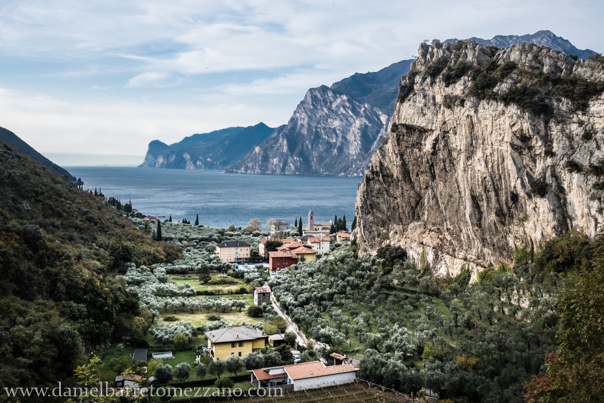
x=230, y=282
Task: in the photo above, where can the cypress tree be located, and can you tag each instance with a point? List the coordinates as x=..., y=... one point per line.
x=354, y=223
x=344, y=227
x=170, y=219
x=335, y=222
x=95, y=192
x=300, y=228
x=332, y=229
x=158, y=235
x=197, y=220
x=296, y=223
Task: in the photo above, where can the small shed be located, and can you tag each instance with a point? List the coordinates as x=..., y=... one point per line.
x=338, y=359
x=140, y=354
x=275, y=340
x=262, y=295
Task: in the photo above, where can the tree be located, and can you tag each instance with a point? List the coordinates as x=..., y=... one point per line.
x=170, y=219
x=182, y=371
x=158, y=233
x=164, y=373
x=290, y=338
x=300, y=228
x=253, y=361
x=273, y=359
x=344, y=226
x=201, y=370
x=270, y=223
x=197, y=220
x=253, y=225
x=223, y=383
x=296, y=223
x=233, y=364
x=254, y=311
x=181, y=341
x=353, y=226
x=217, y=367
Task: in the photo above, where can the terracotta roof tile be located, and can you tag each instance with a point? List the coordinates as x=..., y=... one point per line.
x=316, y=369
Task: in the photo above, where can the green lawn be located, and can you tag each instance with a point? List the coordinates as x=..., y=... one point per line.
x=231, y=283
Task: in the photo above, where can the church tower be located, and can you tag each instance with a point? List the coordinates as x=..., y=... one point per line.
x=311, y=220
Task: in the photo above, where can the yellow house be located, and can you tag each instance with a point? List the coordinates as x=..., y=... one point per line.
x=233, y=251
x=239, y=341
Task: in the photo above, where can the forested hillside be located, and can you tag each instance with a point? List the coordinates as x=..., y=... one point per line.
x=470, y=342
x=60, y=248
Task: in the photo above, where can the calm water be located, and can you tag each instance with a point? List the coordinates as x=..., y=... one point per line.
x=224, y=199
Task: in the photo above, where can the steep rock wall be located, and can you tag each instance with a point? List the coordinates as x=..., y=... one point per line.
x=488, y=150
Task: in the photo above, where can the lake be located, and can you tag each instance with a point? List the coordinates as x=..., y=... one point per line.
x=224, y=199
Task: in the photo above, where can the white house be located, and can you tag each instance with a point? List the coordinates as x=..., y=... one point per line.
x=319, y=243
x=308, y=375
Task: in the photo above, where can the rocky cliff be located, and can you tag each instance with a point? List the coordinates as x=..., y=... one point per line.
x=215, y=150
x=489, y=148
x=328, y=134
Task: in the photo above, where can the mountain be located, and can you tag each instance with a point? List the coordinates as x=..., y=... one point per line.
x=541, y=38
x=488, y=149
x=60, y=249
x=12, y=139
x=378, y=89
x=215, y=150
x=329, y=134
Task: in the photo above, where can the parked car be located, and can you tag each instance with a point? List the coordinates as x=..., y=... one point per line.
x=297, y=359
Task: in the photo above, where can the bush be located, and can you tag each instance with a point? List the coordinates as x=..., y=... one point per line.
x=170, y=319
x=436, y=68
x=539, y=188
x=214, y=318
x=254, y=311
x=164, y=373
x=181, y=341
x=454, y=74
x=573, y=166
x=524, y=96
x=224, y=383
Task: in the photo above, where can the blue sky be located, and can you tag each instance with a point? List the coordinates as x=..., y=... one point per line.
x=92, y=83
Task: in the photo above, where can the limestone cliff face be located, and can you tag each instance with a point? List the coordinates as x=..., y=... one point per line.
x=488, y=149
x=328, y=134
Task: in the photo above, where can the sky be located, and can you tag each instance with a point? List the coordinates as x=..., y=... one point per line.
x=93, y=82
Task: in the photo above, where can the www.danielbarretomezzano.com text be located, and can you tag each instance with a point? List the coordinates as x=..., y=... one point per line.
x=104, y=390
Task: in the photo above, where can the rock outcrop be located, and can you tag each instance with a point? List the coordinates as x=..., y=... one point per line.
x=328, y=134
x=488, y=149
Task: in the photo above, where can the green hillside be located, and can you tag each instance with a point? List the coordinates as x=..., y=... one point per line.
x=60, y=248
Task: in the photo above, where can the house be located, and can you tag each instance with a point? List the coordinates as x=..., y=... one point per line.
x=238, y=340
x=319, y=243
x=262, y=295
x=290, y=254
x=338, y=359
x=343, y=236
x=308, y=375
x=316, y=228
x=275, y=340
x=262, y=244
x=233, y=251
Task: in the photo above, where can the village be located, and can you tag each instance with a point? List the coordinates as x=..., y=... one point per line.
x=243, y=326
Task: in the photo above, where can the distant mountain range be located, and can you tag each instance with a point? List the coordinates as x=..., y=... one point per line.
x=12, y=139
x=333, y=131
x=215, y=150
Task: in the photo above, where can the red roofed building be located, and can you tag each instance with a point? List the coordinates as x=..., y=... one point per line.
x=290, y=254
x=308, y=375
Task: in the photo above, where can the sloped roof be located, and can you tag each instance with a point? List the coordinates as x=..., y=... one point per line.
x=237, y=333
x=263, y=374
x=319, y=239
x=316, y=369
x=140, y=354
x=263, y=289
x=233, y=244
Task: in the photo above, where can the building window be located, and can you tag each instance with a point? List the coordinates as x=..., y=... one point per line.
x=240, y=354
x=233, y=345
x=240, y=344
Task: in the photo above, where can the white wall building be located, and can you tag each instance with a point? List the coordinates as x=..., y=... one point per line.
x=308, y=375
x=319, y=243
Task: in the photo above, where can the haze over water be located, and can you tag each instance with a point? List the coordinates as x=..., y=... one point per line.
x=224, y=199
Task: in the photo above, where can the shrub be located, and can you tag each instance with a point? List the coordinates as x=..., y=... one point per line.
x=573, y=166
x=507, y=69
x=224, y=383
x=254, y=311
x=539, y=188
x=181, y=341
x=455, y=73
x=407, y=87
x=436, y=68
x=524, y=96
x=170, y=319
x=214, y=318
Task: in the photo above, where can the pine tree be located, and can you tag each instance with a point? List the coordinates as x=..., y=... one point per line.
x=354, y=223
x=197, y=220
x=158, y=235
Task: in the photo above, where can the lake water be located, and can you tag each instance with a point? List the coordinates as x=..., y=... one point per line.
x=224, y=199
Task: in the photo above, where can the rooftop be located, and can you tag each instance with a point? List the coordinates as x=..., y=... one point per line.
x=277, y=337
x=319, y=239
x=140, y=354
x=263, y=374
x=316, y=369
x=237, y=333
x=264, y=288
x=233, y=244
